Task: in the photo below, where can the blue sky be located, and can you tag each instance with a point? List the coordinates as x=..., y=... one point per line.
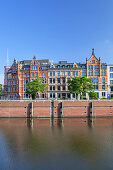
x=55, y=29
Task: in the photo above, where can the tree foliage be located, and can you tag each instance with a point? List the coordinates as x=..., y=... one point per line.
x=80, y=85
x=35, y=86
x=93, y=95
x=0, y=89
x=111, y=87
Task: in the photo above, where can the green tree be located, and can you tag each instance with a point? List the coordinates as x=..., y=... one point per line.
x=75, y=86
x=111, y=87
x=93, y=95
x=86, y=85
x=0, y=89
x=80, y=85
x=35, y=86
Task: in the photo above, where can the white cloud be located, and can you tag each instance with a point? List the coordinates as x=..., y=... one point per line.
x=107, y=41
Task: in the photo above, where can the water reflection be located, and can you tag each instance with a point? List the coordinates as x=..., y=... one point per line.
x=56, y=143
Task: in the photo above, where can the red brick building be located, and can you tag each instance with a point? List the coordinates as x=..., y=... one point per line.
x=20, y=73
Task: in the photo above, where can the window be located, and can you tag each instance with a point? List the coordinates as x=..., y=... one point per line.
x=25, y=74
x=103, y=72
x=73, y=73
x=41, y=74
x=44, y=74
x=50, y=73
x=68, y=95
x=63, y=73
x=44, y=68
x=68, y=73
x=63, y=81
x=53, y=73
x=96, y=73
x=50, y=87
x=111, y=81
x=63, y=87
x=76, y=73
x=90, y=73
x=103, y=80
x=53, y=95
x=94, y=80
x=103, y=87
x=73, y=95
x=52, y=81
x=68, y=79
x=58, y=95
x=111, y=68
x=93, y=61
x=44, y=80
x=26, y=68
x=111, y=75
x=58, y=73
x=50, y=95
x=103, y=66
x=32, y=74
x=103, y=94
x=58, y=80
x=83, y=73
x=58, y=87
x=36, y=74
x=95, y=87
x=83, y=66
x=96, y=66
x=90, y=67
x=63, y=66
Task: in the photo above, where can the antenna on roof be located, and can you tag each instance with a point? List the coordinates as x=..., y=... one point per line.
x=7, y=58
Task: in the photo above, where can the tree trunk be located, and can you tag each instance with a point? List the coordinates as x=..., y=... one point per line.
x=76, y=96
x=33, y=96
x=81, y=97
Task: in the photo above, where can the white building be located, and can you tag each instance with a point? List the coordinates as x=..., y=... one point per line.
x=110, y=79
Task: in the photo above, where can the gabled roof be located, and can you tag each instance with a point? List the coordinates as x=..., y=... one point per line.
x=93, y=55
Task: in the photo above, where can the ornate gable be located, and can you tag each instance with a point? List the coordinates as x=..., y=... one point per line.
x=93, y=59
x=34, y=61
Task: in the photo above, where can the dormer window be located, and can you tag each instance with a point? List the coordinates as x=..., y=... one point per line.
x=63, y=66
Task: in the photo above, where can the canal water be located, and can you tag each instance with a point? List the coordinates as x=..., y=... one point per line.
x=56, y=144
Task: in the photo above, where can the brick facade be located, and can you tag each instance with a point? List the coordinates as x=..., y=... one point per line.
x=55, y=76
x=59, y=108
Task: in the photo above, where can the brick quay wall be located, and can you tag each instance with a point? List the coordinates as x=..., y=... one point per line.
x=56, y=108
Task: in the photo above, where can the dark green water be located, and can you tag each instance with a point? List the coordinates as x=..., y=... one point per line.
x=56, y=144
